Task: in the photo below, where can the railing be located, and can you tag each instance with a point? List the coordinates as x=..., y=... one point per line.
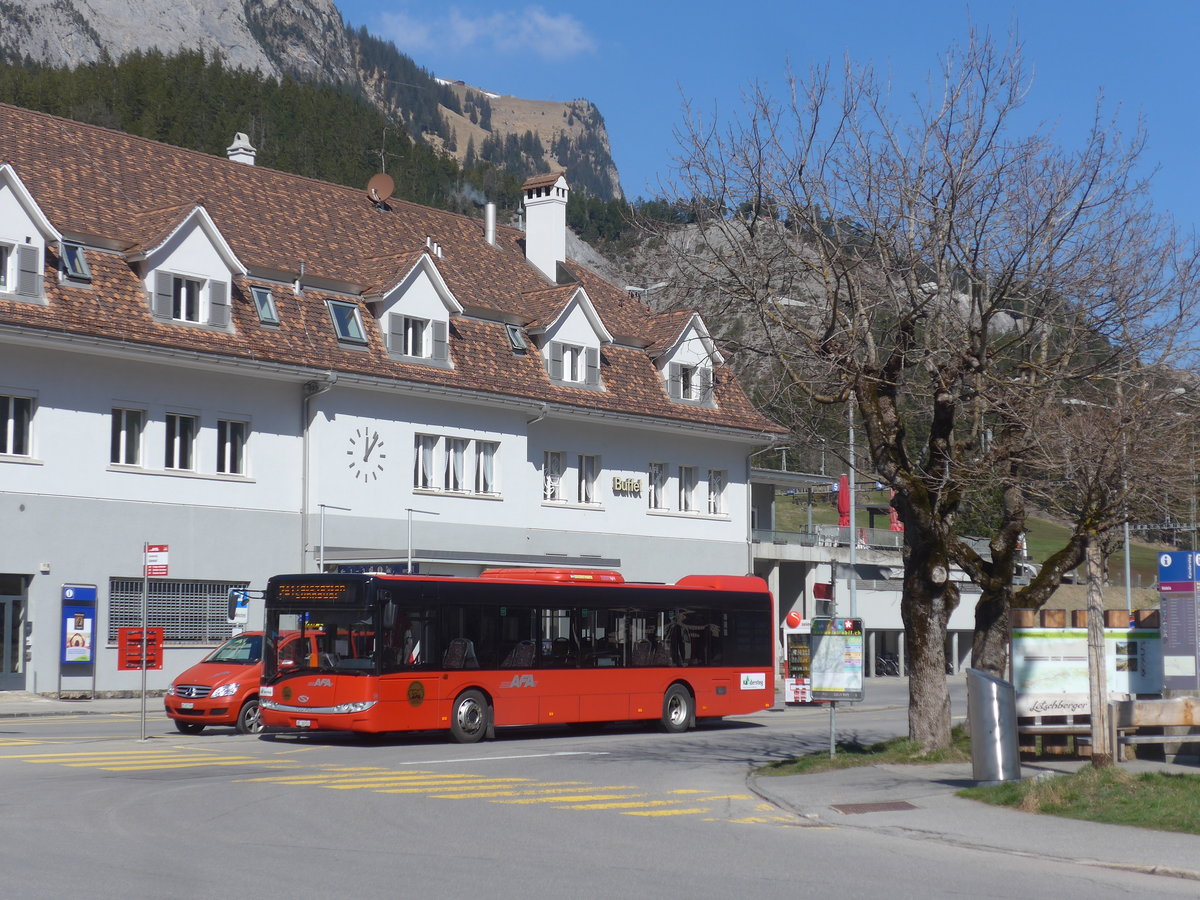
x=834, y=536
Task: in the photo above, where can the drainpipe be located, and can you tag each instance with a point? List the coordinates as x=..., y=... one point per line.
x=312, y=390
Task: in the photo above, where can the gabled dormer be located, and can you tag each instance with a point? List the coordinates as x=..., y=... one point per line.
x=686, y=357
x=569, y=335
x=25, y=232
x=415, y=314
x=187, y=267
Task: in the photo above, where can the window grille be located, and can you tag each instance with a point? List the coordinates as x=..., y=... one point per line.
x=193, y=612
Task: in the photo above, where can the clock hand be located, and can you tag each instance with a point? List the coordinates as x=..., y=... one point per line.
x=370, y=447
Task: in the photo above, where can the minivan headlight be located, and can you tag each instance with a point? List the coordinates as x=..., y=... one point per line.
x=225, y=690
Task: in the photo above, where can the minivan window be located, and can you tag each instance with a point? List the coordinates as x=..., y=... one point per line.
x=246, y=649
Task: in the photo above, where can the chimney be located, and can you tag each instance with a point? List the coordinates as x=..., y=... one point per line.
x=489, y=223
x=546, y=222
x=240, y=150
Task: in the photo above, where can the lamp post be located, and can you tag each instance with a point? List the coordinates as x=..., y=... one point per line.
x=853, y=575
x=410, y=511
x=321, y=545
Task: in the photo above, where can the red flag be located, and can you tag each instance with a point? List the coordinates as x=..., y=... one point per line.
x=844, y=502
x=894, y=517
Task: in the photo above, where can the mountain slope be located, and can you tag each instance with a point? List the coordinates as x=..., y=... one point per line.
x=307, y=40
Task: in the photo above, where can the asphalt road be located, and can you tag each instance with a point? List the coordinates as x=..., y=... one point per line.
x=90, y=810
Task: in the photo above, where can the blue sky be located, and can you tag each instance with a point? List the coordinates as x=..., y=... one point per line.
x=637, y=61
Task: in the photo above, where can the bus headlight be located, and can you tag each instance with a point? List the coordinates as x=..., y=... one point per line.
x=361, y=706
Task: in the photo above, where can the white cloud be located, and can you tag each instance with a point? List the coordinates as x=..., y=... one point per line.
x=531, y=30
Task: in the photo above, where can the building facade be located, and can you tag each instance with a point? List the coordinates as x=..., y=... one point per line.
x=266, y=373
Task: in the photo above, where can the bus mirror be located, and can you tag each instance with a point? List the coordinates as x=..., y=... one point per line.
x=239, y=606
x=389, y=614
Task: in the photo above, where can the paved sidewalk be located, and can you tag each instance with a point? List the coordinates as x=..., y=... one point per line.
x=16, y=704
x=919, y=802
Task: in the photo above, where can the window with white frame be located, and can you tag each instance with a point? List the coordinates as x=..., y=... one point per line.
x=185, y=298
x=416, y=338
x=657, y=481
x=180, y=442
x=687, y=488
x=126, y=443
x=454, y=478
x=346, y=323
x=264, y=303
x=574, y=364
x=231, y=446
x=716, y=491
x=21, y=270
x=485, y=467
x=589, y=470
x=5, y=260
x=16, y=423
x=552, y=472
x=689, y=383
x=423, y=467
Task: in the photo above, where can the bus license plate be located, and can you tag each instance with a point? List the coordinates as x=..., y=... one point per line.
x=304, y=723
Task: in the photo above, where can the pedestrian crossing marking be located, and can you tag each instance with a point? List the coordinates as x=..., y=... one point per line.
x=630, y=800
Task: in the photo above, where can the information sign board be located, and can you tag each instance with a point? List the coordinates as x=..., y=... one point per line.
x=1178, y=596
x=837, y=659
x=156, y=560
x=79, y=624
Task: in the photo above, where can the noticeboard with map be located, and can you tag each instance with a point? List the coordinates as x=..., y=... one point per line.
x=837, y=659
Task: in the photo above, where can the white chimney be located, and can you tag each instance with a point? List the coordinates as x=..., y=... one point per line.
x=489, y=223
x=546, y=222
x=240, y=150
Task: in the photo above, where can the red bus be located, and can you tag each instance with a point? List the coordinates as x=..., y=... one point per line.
x=515, y=647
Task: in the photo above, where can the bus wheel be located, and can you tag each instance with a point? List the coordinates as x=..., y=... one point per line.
x=189, y=727
x=677, y=709
x=249, y=720
x=470, y=718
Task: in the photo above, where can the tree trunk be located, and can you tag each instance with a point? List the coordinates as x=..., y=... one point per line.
x=1102, y=751
x=928, y=600
x=989, y=644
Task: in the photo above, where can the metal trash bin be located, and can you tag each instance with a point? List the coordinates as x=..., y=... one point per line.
x=992, y=715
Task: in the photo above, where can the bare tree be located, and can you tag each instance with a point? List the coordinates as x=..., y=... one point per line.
x=950, y=276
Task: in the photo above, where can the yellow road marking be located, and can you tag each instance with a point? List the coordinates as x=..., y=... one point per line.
x=454, y=784
x=632, y=804
x=581, y=798
x=667, y=812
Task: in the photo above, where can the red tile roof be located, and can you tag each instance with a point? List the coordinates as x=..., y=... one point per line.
x=118, y=190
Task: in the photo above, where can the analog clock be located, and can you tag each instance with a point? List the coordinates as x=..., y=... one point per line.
x=365, y=454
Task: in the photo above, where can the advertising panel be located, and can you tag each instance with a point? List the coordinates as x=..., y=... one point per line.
x=79, y=624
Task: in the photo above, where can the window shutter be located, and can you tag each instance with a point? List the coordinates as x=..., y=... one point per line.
x=396, y=334
x=218, y=304
x=592, y=379
x=675, y=382
x=556, y=360
x=162, y=301
x=441, y=343
x=29, y=275
x=706, y=384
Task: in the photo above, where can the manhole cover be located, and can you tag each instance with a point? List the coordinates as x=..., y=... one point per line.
x=851, y=809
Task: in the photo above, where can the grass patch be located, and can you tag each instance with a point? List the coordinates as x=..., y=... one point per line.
x=850, y=754
x=1162, y=801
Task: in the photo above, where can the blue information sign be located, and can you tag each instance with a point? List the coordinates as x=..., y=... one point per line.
x=79, y=624
x=1179, y=619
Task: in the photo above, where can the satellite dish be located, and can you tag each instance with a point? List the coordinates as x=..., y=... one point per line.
x=380, y=188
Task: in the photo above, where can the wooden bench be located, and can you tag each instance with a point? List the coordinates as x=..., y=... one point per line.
x=1176, y=712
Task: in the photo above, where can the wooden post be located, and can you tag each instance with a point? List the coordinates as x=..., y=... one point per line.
x=1102, y=751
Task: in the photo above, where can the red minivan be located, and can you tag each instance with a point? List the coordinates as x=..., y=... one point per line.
x=222, y=689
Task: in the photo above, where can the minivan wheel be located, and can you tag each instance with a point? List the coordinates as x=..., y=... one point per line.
x=189, y=727
x=249, y=721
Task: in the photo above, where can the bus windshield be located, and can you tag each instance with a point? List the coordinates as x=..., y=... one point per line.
x=331, y=640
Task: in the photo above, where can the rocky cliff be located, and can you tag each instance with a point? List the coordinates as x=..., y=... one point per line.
x=309, y=41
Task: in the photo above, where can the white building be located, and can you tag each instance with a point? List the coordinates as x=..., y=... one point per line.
x=266, y=373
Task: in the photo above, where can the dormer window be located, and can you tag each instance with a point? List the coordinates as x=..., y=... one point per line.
x=75, y=264
x=346, y=323
x=20, y=270
x=692, y=384
x=411, y=337
x=572, y=364
x=198, y=301
x=265, y=304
